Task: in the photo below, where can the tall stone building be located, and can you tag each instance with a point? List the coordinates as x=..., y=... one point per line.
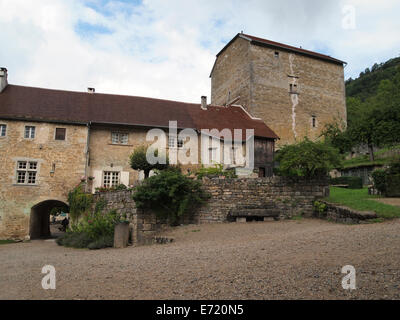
x=295, y=91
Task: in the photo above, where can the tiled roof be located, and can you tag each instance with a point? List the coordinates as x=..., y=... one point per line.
x=29, y=103
x=260, y=41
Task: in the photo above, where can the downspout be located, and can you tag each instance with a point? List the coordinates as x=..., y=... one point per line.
x=87, y=155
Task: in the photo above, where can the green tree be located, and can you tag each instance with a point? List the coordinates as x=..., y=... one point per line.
x=307, y=159
x=138, y=161
x=335, y=135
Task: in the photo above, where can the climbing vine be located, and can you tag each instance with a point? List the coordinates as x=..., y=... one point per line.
x=79, y=202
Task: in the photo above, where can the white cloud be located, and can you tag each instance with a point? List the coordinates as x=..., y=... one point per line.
x=166, y=49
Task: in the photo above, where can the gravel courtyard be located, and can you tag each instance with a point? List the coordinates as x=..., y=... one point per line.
x=266, y=260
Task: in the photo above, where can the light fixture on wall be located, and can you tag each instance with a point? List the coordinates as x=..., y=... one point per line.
x=53, y=169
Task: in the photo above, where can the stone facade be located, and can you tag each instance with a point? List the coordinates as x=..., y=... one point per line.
x=273, y=197
x=59, y=167
x=295, y=94
x=144, y=225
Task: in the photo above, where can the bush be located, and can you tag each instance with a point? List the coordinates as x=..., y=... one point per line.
x=352, y=182
x=170, y=194
x=95, y=231
x=102, y=242
x=74, y=240
x=307, y=159
x=379, y=176
x=79, y=202
x=115, y=188
x=216, y=171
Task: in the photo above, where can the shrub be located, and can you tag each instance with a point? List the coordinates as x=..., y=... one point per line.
x=114, y=188
x=95, y=231
x=74, y=240
x=216, y=171
x=320, y=208
x=352, y=182
x=307, y=159
x=79, y=202
x=102, y=242
x=379, y=176
x=170, y=194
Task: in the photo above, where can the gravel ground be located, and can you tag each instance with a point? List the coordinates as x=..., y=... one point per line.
x=265, y=260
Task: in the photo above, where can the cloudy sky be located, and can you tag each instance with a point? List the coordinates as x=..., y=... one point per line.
x=166, y=48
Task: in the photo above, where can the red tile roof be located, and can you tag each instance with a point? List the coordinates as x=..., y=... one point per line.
x=28, y=103
x=260, y=41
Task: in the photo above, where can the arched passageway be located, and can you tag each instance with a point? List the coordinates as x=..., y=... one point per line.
x=39, y=226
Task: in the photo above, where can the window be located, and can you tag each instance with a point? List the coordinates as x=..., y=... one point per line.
x=171, y=143
x=60, y=133
x=293, y=88
x=276, y=54
x=29, y=132
x=110, y=179
x=314, y=121
x=119, y=138
x=232, y=155
x=212, y=155
x=26, y=172
x=3, y=130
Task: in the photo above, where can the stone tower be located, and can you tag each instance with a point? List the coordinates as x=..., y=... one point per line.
x=295, y=91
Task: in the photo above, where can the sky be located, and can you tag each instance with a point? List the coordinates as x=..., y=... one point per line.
x=166, y=48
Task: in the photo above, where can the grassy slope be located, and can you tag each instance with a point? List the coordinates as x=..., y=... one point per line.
x=359, y=199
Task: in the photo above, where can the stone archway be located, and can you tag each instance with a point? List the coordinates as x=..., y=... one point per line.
x=39, y=225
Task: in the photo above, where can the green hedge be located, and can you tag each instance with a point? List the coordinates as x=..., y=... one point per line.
x=393, y=186
x=353, y=182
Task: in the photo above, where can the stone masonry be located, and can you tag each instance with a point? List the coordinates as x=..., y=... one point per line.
x=285, y=89
x=231, y=200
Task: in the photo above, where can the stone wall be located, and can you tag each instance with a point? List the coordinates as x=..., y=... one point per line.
x=144, y=225
x=273, y=197
x=343, y=214
x=231, y=200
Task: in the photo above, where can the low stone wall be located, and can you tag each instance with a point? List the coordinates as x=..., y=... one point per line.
x=143, y=226
x=231, y=200
x=274, y=197
x=343, y=214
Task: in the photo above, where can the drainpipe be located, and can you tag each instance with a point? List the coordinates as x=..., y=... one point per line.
x=87, y=155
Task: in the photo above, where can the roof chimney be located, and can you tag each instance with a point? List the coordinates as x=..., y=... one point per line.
x=204, y=102
x=91, y=90
x=3, y=78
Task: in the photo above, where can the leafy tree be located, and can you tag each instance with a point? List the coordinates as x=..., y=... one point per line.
x=307, y=159
x=138, y=161
x=170, y=194
x=335, y=135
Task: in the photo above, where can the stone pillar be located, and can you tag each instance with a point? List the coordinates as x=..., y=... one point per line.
x=121, y=235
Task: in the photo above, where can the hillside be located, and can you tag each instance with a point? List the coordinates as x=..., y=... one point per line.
x=366, y=85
